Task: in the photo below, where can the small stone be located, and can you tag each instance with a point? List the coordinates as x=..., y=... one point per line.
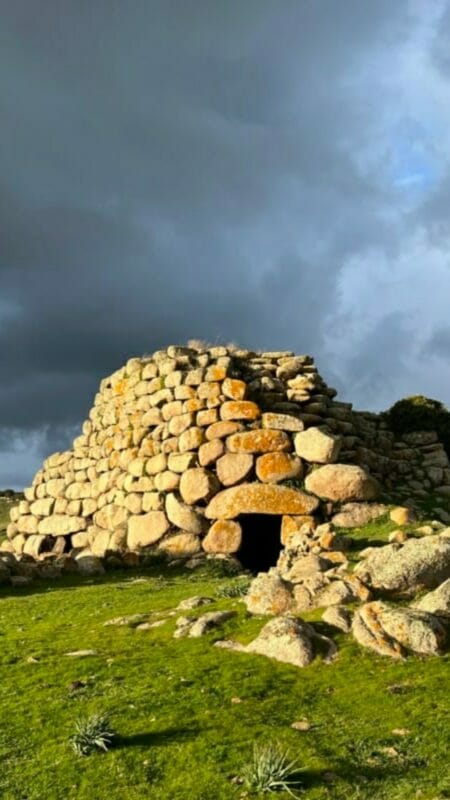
x=82, y=653
x=194, y=602
x=301, y=725
x=402, y=515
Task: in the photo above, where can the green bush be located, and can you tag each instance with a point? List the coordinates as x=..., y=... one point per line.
x=419, y=413
x=92, y=734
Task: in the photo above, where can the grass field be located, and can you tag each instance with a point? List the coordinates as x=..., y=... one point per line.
x=188, y=714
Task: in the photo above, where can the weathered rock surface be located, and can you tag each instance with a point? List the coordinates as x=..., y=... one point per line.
x=196, y=627
x=338, y=617
x=146, y=529
x=269, y=594
x=342, y=483
x=409, y=568
x=317, y=446
x=224, y=536
x=285, y=639
x=436, y=602
x=256, y=498
x=394, y=631
x=355, y=515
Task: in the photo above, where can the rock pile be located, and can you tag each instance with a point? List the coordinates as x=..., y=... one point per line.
x=180, y=444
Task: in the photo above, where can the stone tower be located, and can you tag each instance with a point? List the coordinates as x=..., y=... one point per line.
x=185, y=449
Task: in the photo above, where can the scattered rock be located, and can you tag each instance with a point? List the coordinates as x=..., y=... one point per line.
x=436, y=602
x=285, y=639
x=405, y=570
x=338, y=617
x=82, y=653
x=402, y=515
x=301, y=725
x=393, y=630
x=196, y=627
x=269, y=594
x=355, y=515
x=194, y=602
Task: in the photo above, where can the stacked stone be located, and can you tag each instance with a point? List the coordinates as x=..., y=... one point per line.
x=180, y=444
x=176, y=446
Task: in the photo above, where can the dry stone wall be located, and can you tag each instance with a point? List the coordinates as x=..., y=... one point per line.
x=181, y=443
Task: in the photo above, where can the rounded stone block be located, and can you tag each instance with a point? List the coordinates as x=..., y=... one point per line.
x=209, y=452
x=219, y=430
x=257, y=498
x=146, y=529
x=61, y=525
x=234, y=388
x=239, y=409
x=182, y=515
x=191, y=439
x=317, y=446
x=182, y=544
x=224, y=536
x=282, y=422
x=197, y=484
x=275, y=467
x=342, y=483
x=233, y=468
x=259, y=441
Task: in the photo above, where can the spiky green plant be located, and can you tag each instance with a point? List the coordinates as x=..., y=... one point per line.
x=91, y=734
x=237, y=589
x=271, y=770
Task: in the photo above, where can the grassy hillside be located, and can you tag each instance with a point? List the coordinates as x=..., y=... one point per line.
x=188, y=714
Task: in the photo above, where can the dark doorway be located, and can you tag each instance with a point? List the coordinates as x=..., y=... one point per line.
x=261, y=541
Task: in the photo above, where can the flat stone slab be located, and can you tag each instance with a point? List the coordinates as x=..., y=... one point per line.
x=256, y=498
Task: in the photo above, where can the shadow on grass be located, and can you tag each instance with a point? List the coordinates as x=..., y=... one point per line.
x=157, y=738
x=120, y=577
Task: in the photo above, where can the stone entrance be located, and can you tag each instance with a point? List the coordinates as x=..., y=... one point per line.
x=261, y=541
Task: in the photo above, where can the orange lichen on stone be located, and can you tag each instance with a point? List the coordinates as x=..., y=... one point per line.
x=240, y=409
x=290, y=526
x=274, y=467
x=258, y=498
x=216, y=372
x=194, y=404
x=234, y=388
x=120, y=387
x=259, y=441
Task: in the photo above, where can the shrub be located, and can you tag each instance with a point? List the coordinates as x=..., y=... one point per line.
x=271, y=770
x=91, y=734
x=419, y=413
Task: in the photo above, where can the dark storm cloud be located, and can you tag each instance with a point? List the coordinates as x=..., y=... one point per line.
x=186, y=169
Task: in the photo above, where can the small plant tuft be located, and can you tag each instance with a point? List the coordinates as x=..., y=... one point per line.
x=271, y=770
x=91, y=734
x=236, y=589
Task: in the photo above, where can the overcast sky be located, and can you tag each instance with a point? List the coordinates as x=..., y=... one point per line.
x=270, y=172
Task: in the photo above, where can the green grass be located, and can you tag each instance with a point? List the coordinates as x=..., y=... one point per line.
x=181, y=735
